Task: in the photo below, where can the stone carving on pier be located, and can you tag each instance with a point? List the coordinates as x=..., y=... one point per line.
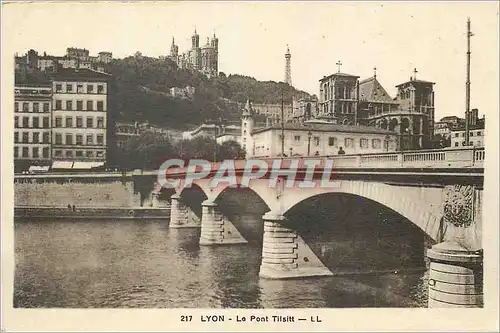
x=459, y=205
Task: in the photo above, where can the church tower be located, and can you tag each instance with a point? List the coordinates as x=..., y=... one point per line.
x=288, y=66
x=247, y=123
x=195, y=40
x=174, y=51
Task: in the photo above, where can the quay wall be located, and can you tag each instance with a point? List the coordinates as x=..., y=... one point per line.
x=81, y=192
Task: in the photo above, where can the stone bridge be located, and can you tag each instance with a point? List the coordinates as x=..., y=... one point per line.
x=440, y=191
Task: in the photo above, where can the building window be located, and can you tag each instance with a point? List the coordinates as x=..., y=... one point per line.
x=36, y=122
x=58, y=139
x=58, y=105
x=69, y=105
x=46, y=137
x=478, y=133
x=100, y=106
x=316, y=140
x=79, y=122
x=35, y=152
x=79, y=105
x=16, y=152
x=363, y=143
x=296, y=138
x=376, y=143
x=46, y=107
x=69, y=122
x=59, y=88
x=46, y=122
x=100, y=153
x=471, y=133
x=45, y=152
x=36, y=137
x=100, y=139
x=58, y=153
x=79, y=153
x=69, y=153
x=90, y=122
x=90, y=139
x=100, y=122
x=26, y=121
x=26, y=107
x=25, y=152
x=36, y=107
x=456, y=135
x=349, y=142
x=79, y=88
x=90, y=88
x=25, y=137
x=100, y=89
x=16, y=107
x=69, y=139
x=16, y=121
x=79, y=139
x=58, y=122
x=89, y=153
x=16, y=137
x=90, y=105
x=69, y=87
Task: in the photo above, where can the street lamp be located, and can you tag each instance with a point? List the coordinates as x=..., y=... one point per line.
x=309, y=135
x=387, y=137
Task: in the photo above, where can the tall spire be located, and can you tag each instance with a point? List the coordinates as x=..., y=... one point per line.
x=288, y=66
x=467, y=85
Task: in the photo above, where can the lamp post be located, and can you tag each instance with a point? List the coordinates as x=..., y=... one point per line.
x=387, y=137
x=309, y=135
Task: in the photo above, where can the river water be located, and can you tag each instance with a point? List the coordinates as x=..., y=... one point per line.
x=146, y=264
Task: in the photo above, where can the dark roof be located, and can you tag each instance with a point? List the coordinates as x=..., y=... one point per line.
x=33, y=79
x=338, y=74
x=372, y=91
x=80, y=74
x=327, y=128
x=415, y=81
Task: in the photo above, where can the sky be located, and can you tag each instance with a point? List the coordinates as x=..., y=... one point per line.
x=394, y=37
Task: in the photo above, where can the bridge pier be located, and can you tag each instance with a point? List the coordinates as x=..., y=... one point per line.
x=216, y=229
x=456, y=277
x=285, y=254
x=181, y=215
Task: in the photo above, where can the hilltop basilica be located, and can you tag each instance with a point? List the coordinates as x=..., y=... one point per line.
x=204, y=59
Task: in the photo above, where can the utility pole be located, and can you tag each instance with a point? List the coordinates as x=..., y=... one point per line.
x=467, y=85
x=282, y=125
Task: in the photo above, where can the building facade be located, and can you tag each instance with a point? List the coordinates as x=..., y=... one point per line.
x=79, y=116
x=204, y=59
x=32, y=123
x=74, y=58
x=312, y=138
x=346, y=100
x=476, y=131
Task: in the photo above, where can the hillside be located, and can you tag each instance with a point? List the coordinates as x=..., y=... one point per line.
x=142, y=93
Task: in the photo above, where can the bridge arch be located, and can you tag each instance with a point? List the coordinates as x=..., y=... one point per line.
x=411, y=203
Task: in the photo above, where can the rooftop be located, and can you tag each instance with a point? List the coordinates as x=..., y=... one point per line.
x=415, y=81
x=339, y=74
x=79, y=74
x=326, y=127
x=372, y=91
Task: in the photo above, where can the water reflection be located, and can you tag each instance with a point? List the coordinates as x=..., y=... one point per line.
x=107, y=264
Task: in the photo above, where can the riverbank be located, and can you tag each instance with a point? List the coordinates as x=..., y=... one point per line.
x=29, y=212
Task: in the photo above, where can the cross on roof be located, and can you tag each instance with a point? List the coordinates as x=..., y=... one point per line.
x=375, y=72
x=339, y=63
x=415, y=73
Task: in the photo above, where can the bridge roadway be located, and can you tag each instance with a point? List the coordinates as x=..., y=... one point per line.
x=440, y=191
x=466, y=162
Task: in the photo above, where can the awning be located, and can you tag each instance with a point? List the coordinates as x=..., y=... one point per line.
x=87, y=165
x=82, y=165
x=37, y=168
x=62, y=165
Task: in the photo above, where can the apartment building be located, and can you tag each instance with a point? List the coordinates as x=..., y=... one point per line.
x=32, y=123
x=79, y=115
